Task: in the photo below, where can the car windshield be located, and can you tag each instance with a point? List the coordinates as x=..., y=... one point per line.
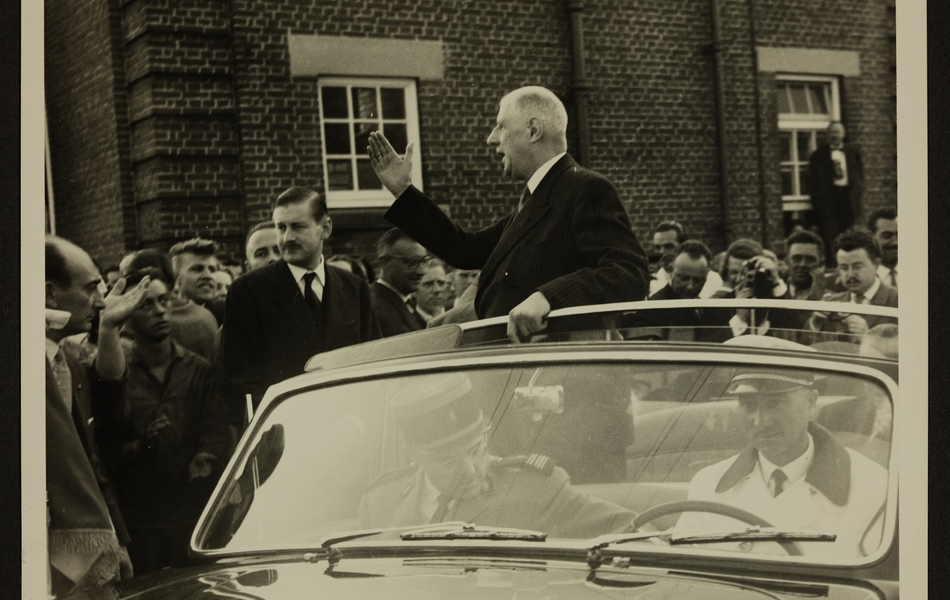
x=575, y=450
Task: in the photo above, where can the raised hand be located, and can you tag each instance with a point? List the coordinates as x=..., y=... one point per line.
x=394, y=172
x=119, y=304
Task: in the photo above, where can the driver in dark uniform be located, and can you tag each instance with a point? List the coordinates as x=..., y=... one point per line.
x=453, y=477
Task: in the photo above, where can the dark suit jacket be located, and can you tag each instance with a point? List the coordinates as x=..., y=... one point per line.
x=391, y=312
x=821, y=177
x=572, y=242
x=268, y=332
x=885, y=296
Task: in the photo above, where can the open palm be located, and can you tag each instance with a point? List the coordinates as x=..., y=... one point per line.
x=394, y=172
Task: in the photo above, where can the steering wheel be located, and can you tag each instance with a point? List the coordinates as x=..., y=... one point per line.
x=705, y=506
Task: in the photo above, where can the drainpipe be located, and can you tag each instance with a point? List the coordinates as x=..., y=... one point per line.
x=580, y=87
x=763, y=205
x=716, y=50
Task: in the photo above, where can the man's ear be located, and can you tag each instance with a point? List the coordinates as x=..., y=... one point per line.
x=328, y=226
x=51, y=296
x=535, y=129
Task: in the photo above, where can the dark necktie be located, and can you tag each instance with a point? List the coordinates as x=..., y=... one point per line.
x=525, y=196
x=310, y=297
x=411, y=305
x=778, y=481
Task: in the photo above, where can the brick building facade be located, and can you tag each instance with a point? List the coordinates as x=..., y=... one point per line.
x=171, y=118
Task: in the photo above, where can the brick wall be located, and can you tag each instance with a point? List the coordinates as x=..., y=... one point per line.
x=217, y=125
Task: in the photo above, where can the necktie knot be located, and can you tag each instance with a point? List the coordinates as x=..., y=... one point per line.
x=778, y=481
x=525, y=196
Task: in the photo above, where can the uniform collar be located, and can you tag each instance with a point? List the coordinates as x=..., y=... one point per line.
x=829, y=473
x=535, y=180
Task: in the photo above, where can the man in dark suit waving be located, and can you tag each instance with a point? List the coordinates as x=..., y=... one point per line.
x=280, y=315
x=567, y=243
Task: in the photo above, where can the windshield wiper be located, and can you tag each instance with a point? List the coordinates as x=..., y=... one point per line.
x=470, y=531
x=754, y=534
x=610, y=539
x=334, y=539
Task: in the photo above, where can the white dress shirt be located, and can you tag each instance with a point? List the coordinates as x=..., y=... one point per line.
x=535, y=179
x=318, y=282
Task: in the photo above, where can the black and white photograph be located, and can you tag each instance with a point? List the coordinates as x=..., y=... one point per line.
x=521, y=299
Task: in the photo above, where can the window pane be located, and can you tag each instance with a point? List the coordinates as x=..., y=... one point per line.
x=397, y=136
x=366, y=176
x=799, y=101
x=394, y=103
x=803, y=181
x=816, y=91
x=362, y=135
x=787, y=189
x=334, y=102
x=803, y=150
x=337, y=138
x=785, y=146
x=364, y=103
x=781, y=96
x=339, y=175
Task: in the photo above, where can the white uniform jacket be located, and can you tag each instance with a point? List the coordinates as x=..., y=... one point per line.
x=843, y=493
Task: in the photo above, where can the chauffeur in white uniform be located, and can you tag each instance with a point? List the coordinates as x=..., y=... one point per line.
x=794, y=474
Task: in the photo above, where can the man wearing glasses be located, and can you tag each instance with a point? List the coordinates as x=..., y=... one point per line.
x=402, y=262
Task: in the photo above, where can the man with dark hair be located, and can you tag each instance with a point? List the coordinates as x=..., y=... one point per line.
x=192, y=326
x=87, y=535
x=167, y=459
x=402, y=263
x=750, y=273
x=689, y=267
x=260, y=247
x=567, y=243
x=883, y=224
x=280, y=315
x=858, y=256
x=836, y=185
x=805, y=253
x=195, y=262
x=667, y=236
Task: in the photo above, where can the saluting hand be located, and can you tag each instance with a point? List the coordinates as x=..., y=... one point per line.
x=119, y=304
x=395, y=173
x=526, y=319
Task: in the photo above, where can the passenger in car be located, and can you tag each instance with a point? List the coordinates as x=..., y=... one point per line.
x=794, y=474
x=453, y=477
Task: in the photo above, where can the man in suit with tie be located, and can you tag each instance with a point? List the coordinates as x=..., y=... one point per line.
x=883, y=224
x=402, y=261
x=280, y=315
x=858, y=256
x=567, y=243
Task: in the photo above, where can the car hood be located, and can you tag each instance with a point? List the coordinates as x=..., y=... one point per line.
x=422, y=578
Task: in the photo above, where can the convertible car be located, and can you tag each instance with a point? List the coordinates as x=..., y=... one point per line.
x=611, y=456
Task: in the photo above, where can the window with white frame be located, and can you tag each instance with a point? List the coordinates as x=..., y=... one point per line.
x=351, y=108
x=806, y=106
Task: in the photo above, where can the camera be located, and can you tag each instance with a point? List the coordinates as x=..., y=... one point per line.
x=758, y=279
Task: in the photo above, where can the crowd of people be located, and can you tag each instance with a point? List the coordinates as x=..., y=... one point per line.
x=154, y=365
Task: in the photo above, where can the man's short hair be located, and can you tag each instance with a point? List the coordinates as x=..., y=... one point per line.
x=741, y=249
x=155, y=260
x=672, y=226
x=803, y=236
x=855, y=238
x=389, y=239
x=132, y=278
x=695, y=249
x=888, y=214
x=259, y=227
x=296, y=195
x=197, y=246
x=541, y=102
x=57, y=269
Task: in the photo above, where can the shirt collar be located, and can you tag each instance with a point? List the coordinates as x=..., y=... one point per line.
x=794, y=470
x=884, y=272
x=135, y=358
x=535, y=179
x=51, y=349
x=385, y=283
x=870, y=293
x=299, y=272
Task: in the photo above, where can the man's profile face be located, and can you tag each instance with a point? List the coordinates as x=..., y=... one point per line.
x=778, y=423
x=299, y=236
x=433, y=286
x=460, y=472
x=688, y=276
x=664, y=243
x=802, y=260
x=510, y=138
x=404, y=265
x=262, y=248
x=83, y=298
x=856, y=270
x=196, y=277
x=836, y=134
x=886, y=236
x=149, y=322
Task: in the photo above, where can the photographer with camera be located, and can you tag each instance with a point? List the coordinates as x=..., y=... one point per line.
x=750, y=273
